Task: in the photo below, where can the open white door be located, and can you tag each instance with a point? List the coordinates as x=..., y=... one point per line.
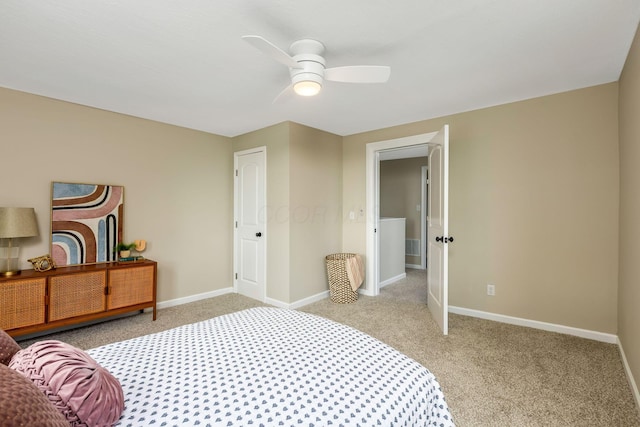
x=250, y=233
x=438, y=228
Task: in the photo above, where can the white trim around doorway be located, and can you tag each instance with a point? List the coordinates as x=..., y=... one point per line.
x=372, y=286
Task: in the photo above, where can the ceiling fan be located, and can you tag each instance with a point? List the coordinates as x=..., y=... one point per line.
x=307, y=66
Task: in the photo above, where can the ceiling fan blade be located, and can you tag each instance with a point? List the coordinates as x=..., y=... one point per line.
x=283, y=96
x=271, y=50
x=358, y=74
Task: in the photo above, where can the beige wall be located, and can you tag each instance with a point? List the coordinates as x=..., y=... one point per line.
x=316, y=207
x=178, y=189
x=400, y=193
x=629, y=290
x=178, y=183
x=533, y=206
x=534, y=198
x=276, y=140
x=304, y=194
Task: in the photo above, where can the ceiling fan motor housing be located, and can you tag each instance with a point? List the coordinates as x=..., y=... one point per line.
x=312, y=69
x=308, y=54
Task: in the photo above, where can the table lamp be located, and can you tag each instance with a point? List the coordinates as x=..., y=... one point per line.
x=14, y=223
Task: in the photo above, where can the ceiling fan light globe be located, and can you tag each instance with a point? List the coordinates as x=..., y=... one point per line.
x=307, y=88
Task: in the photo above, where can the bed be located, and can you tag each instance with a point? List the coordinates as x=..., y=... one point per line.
x=270, y=366
x=257, y=367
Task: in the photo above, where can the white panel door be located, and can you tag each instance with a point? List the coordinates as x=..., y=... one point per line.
x=250, y=236
x=438, y=211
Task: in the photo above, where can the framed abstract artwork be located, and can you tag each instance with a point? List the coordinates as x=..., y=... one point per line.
x=86, y=222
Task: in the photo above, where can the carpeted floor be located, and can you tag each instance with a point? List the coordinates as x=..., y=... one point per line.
x=492, y=374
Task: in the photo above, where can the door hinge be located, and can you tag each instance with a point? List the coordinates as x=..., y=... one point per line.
x=236, y=224
x=236, y=276
x=236, y=172
x=375, y=230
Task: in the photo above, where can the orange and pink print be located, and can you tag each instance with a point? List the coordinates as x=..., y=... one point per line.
x=86, y=222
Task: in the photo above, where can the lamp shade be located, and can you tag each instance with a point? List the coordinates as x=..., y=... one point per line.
x=18, y=222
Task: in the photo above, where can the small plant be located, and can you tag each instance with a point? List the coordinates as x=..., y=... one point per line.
x=124, y=247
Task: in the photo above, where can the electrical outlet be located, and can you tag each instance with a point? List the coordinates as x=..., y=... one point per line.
x=491, y=289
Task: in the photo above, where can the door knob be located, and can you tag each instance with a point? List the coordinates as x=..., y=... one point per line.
x=258, y=234
x=444, y=239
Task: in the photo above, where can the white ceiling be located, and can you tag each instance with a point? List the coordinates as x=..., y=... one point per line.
x=183, y=62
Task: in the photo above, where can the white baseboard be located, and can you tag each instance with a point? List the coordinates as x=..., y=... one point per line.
x=194, y=298
x=367, y=292
x=309, y=300
x=584, y=333
x=229, y=290
x=276, y=303
x=392, y=280
x=630, y=379
x=414, y=266
x=299, y=303
x=552, y=327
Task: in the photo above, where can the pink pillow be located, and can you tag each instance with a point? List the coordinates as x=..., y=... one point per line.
x=83, y=391
x=8, y=347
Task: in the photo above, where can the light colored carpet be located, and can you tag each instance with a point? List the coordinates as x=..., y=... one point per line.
x=492, y=374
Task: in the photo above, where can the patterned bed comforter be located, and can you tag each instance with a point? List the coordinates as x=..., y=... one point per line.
x=270, y=367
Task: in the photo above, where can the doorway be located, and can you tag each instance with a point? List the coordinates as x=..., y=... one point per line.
x=401, y=188
x=438, y=228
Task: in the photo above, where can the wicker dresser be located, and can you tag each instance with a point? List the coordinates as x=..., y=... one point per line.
x=33, y=302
